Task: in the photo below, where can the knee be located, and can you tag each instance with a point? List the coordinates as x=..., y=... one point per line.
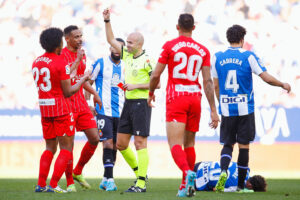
x=120, y=146
x=108, y=144
x=93, y=138
x=140, y=144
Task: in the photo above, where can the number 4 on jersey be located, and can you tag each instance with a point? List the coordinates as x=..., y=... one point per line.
x=231, y=81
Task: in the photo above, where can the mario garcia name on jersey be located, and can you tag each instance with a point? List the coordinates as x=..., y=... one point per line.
x=107, y=75
x=208, y=174
x=233, y=68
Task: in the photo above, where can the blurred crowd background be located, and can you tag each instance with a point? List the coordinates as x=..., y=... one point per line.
x=273, y=33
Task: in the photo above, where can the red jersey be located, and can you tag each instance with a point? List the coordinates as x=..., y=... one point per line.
x=48, y=71
x=185, y=58
x=78, y=102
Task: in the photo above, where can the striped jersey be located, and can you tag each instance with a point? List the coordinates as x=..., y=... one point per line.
x=208, y=173
x=107, y=75
x=78, y=102
x=185, y=58
x=48, y=70
x=233, y=68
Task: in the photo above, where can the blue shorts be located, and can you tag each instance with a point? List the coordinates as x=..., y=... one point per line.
x=107, y=127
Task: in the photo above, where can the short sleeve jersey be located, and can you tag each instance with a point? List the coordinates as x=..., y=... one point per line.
x=208, y=173
x=233, y=68
x=107, y=75
x=185, y=58
x=48, y=71
x=78, y=101
x=137, y=71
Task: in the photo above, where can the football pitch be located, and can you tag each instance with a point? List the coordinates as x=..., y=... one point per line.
x=157, y=189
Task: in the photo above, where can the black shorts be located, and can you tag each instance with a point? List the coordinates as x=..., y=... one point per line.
x=240, y=129
x=107, y=127
x=135, y=118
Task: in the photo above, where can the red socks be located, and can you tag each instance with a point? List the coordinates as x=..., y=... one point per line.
x=45, y=163
x=191, y=158
x=69, y=171
x=180, y=158
x=60, y=166
x=86, y=154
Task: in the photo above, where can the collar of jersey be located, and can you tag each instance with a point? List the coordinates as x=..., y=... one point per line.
x=115, y=63
x=234, y=48
x=139, y=55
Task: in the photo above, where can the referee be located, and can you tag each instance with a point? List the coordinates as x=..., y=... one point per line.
x=136, y=115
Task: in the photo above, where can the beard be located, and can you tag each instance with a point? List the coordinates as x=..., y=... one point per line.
x=114, y=57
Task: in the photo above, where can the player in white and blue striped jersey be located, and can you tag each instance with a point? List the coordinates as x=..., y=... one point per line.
x=108, y=73
x=208, y=174
x=232, y=72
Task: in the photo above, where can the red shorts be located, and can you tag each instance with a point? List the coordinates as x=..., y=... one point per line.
x=185, y=109
x=58, y=126
x=84, y=120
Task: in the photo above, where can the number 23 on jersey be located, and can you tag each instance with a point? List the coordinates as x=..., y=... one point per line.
x=45, y=84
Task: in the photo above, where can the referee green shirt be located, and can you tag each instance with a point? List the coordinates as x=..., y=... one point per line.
x=137, y=71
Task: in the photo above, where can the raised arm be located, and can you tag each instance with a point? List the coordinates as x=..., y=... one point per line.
x=268, y=78
x=209, y=92
x=109, y=33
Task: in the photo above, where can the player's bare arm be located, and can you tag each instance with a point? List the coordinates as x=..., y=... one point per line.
x=217, y=89
x=109, y=33
x=97, y=100
x=268, y=78
x=87, y=96
x=209, y=93
x=155, y=81
x=69, y=90
x=74, y=67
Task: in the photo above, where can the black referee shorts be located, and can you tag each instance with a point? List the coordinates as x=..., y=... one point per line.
x=240, y=129
x=135, y=117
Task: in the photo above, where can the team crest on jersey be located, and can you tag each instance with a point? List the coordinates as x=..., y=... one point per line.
x=67, y=69
x=71, y=128
x=134, y=72
x=84, y=61
x=115, y=80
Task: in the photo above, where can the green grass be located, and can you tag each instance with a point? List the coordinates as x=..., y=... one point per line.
x=157, y=189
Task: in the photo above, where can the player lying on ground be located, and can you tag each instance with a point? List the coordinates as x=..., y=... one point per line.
x=208, y=174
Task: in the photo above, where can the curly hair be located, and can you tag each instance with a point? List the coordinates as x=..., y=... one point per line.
x=186, y=22
x=258, y=183
x=235, y=33
x=51, y=38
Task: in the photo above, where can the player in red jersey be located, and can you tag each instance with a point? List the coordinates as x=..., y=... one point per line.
x=52, y=78
x=84, y=118
x=185, y=58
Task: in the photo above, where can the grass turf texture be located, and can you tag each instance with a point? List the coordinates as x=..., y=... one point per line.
x=157, y=189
